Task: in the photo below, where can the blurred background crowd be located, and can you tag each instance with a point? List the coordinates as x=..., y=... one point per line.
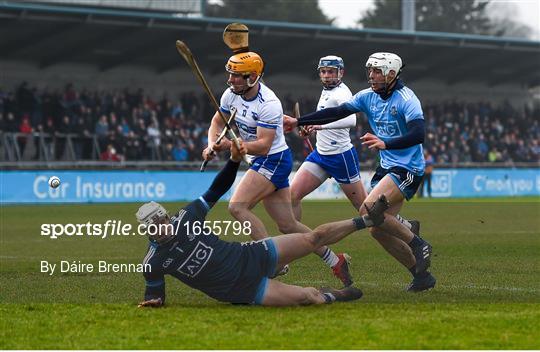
x=130, y=125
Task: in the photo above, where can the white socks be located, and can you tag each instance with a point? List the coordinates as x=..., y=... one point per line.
x=404, y=221
x=329, y=257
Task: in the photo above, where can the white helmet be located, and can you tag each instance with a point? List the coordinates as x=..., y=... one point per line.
x=386, y=62
x=150, y=213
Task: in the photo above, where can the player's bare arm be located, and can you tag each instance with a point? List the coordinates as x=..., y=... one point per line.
x=263, y=143
x=238, y=153
x=216, y=126
x=320, y=117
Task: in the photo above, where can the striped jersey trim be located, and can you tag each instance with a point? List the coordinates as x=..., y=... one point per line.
x=267, y=125
x=407, y=182
x=204, y=203
x=405, y=93
x=149, y=255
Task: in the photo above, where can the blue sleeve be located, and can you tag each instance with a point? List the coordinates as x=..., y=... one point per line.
x=325, y=116
x=358, y=101
x=412, y=110
x=221, y=184
x=415, y=135
x=155, y=285
x=197, y=210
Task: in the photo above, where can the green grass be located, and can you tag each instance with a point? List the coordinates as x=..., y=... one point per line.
x=486, y=261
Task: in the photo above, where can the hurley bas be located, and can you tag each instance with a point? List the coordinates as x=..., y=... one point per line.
x=76, y=266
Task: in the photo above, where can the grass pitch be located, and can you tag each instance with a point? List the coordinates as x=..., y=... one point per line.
x=486, y=260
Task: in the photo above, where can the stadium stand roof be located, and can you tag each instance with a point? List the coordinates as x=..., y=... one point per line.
x=47, y=34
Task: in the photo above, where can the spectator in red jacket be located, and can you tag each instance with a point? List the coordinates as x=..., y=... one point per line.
x=110, y=154
x=25, y=128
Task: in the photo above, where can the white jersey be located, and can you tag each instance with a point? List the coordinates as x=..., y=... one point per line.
x=263, y=111
x=334, y=137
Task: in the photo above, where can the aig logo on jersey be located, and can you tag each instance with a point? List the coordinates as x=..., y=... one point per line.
x=388, y=129
x=196, y=260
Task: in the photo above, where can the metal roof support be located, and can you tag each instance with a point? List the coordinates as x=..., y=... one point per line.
x=408, y=15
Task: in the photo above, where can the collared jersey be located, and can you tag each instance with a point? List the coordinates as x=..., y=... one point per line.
x=263, y=111
x=334, y=141
x=388, y=119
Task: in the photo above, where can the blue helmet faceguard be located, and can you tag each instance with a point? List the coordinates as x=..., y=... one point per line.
x=332, y=61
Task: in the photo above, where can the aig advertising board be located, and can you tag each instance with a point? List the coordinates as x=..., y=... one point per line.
x=485, y=182
x=135, y=186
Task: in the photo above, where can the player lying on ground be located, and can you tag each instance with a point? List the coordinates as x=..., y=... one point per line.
x=237, y=272
x=395, y=116
x=259, y=119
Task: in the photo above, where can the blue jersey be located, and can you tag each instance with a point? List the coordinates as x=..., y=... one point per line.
x=229, y=272
x=201, y=261
x=388, y=119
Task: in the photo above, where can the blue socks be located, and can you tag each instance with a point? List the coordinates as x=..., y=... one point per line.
x=359, y=223
x=418, y=275
x=416, y=241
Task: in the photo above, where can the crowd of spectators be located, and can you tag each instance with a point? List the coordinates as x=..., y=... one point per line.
x=130, y=125
x=458, y=132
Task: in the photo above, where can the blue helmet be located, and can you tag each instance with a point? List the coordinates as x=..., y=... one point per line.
x=331, y=61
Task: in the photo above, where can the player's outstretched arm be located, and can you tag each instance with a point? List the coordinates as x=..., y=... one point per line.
x=325, y=116
x=154, y=294
x=347, y=122
x=320, y=117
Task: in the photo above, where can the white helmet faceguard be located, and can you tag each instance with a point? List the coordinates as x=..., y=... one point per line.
x=333, y=62
x=151, y=213
x=386, y=62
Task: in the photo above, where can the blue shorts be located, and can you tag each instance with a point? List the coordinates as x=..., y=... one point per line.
x=343, y=167
x=406, y=181
x=259, y=262
x=275, y=167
